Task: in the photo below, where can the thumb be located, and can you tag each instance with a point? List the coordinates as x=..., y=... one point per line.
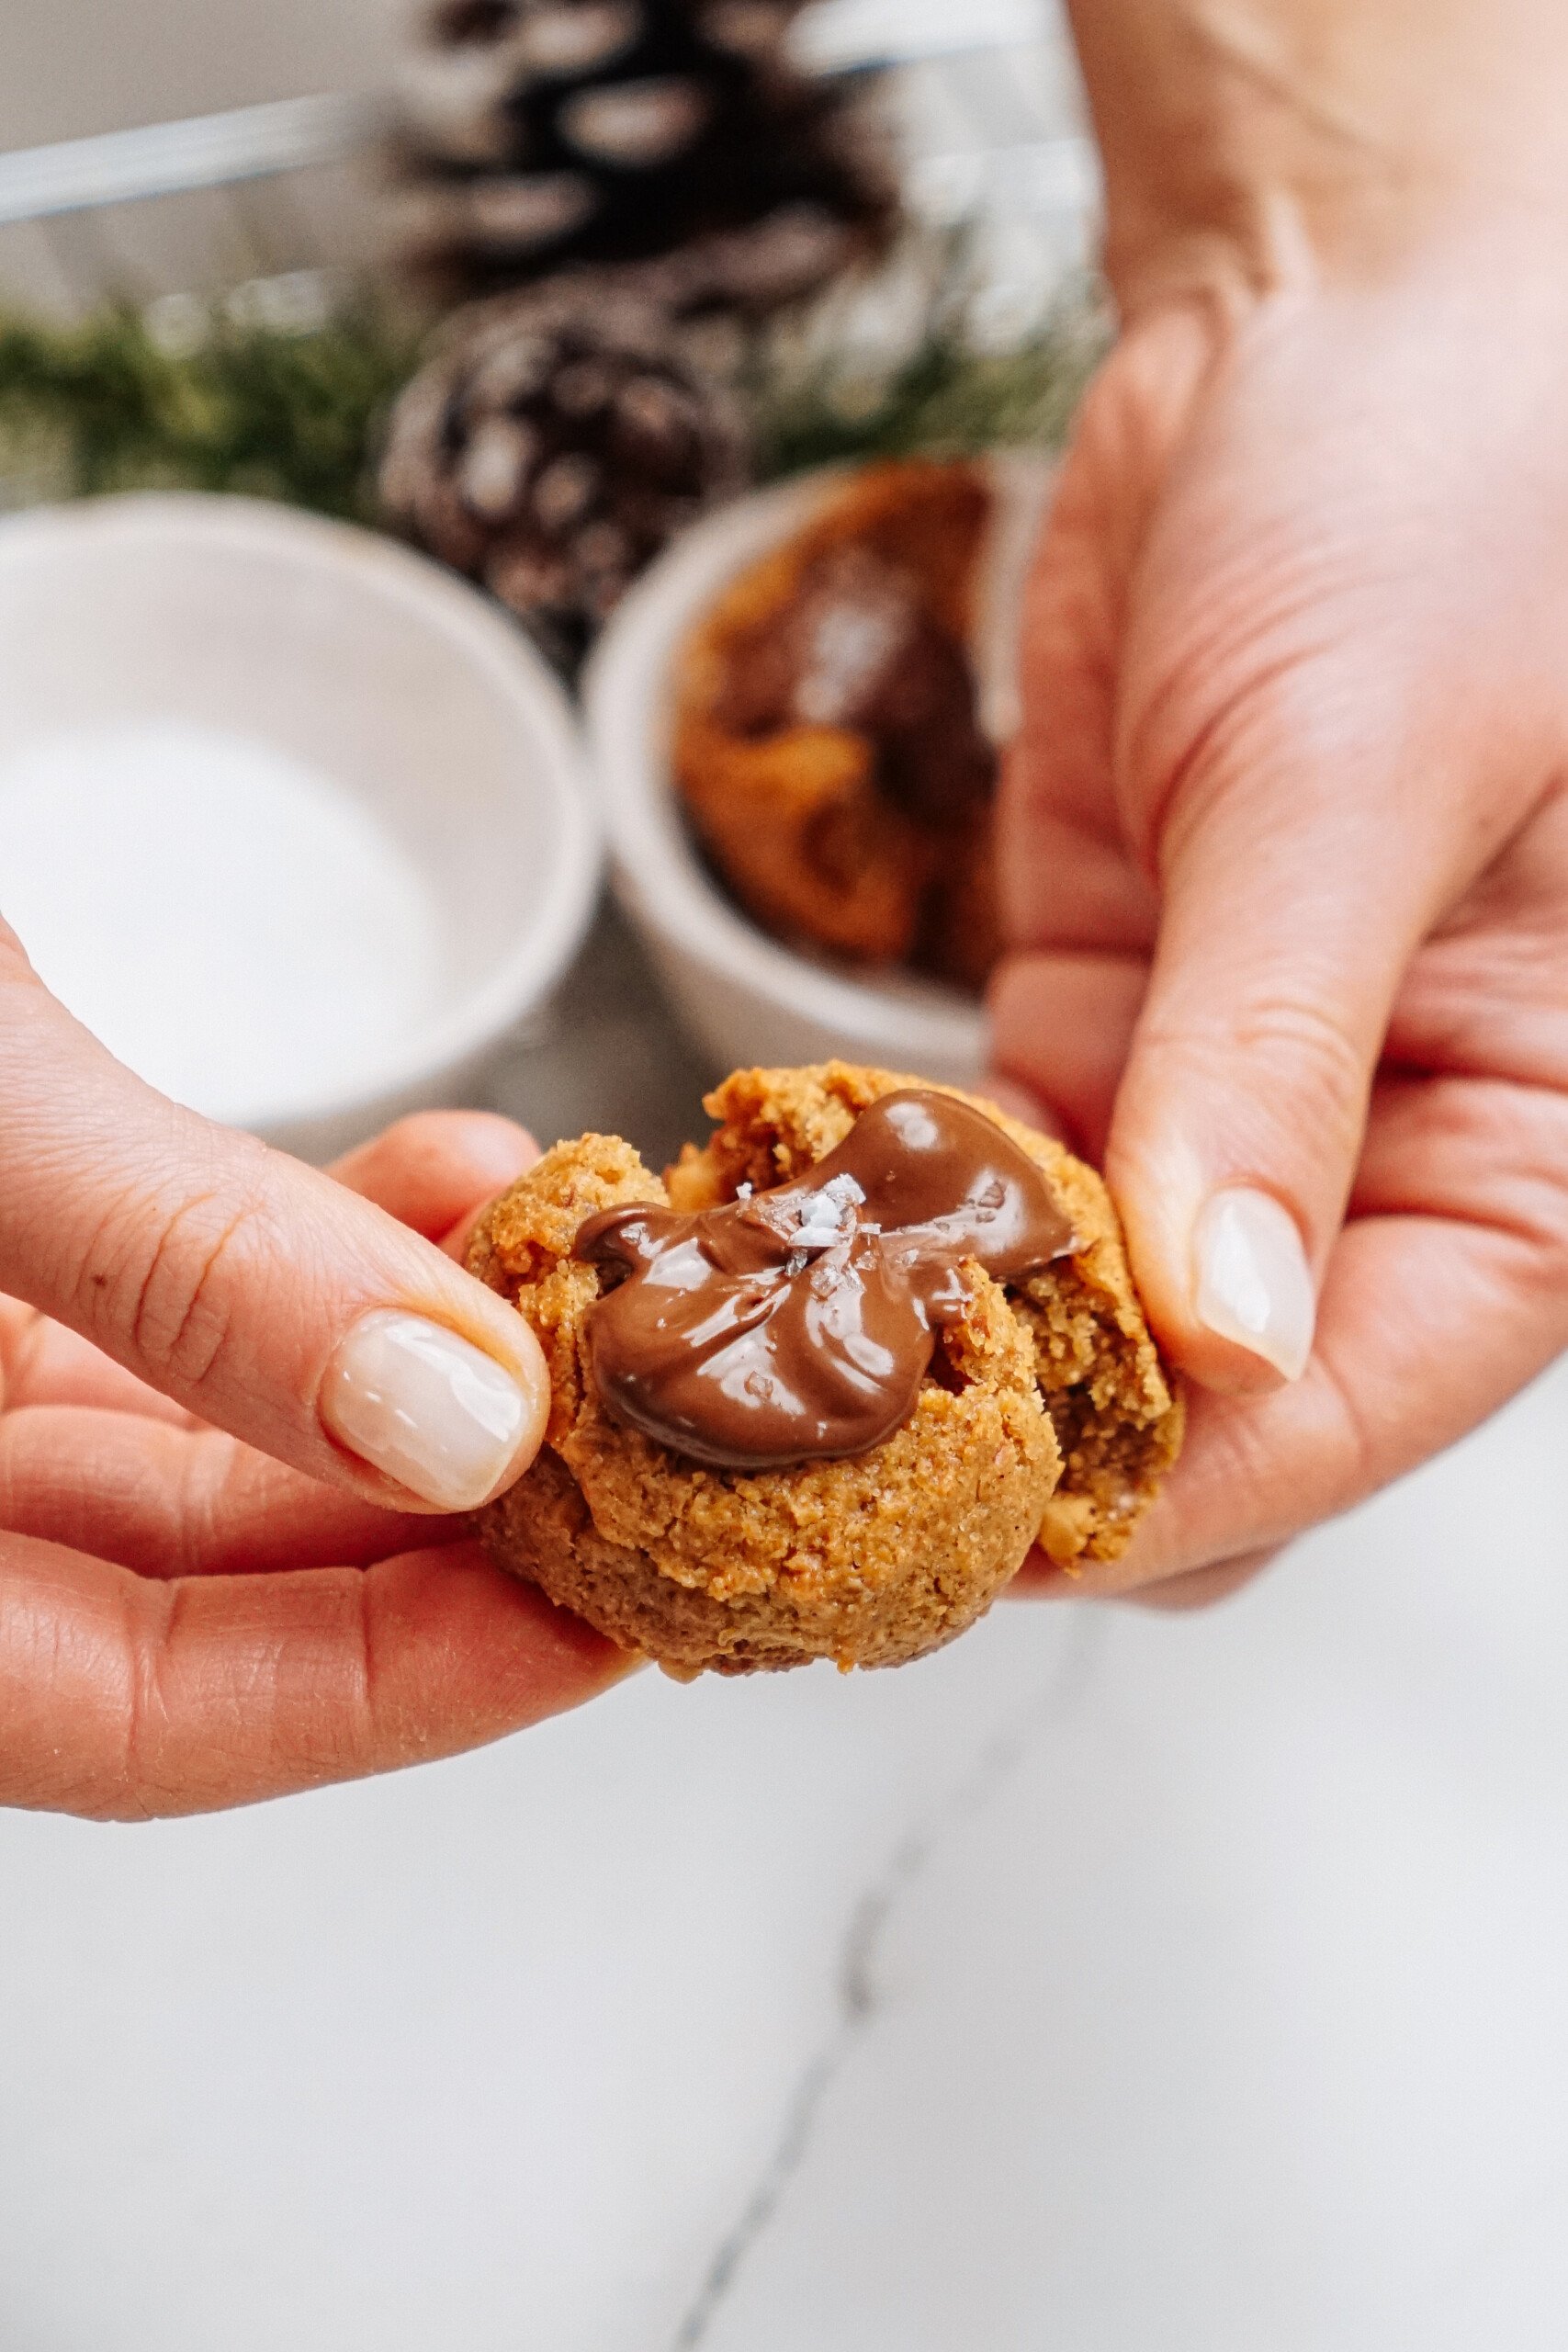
x=251, y=1289
x=1309, y=846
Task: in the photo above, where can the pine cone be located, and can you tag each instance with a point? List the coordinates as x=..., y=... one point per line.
x=554, y=445
x=540, y=133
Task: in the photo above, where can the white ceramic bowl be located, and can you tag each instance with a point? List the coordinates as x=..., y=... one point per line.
x=430, y=754
x=744, y=996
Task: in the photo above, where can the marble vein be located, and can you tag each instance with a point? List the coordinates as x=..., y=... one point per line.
x=858, y=1994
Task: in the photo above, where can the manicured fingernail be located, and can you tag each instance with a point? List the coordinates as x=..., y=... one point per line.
x=425, y=1406
x=1251, y=1280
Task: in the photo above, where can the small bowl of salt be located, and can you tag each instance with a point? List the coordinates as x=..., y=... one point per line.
x=292, y=819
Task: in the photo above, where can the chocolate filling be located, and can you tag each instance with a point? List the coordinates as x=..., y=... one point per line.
x=797, y=1324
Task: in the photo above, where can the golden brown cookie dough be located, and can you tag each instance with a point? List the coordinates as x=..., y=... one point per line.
x=844, y=792
x=1045, y=1415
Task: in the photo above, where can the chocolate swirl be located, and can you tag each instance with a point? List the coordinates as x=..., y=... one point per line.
x=796, y=1325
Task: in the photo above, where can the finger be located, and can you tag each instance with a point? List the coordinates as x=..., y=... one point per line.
x=1205, y=1588
x=257, y=1292
x=185, y=1502
x=42, y=1363
x=1065, y=876
x=1318, y=830
x=1040, y=1578
x=1061, y=1027
x=1490, y=993
x=1428, y=1325
x=123, y=1699
x=438, y=1169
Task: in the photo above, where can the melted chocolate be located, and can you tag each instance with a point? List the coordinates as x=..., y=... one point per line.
x=796, y=1325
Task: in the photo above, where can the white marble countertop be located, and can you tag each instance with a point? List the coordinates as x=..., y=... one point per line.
x=1107, y=1983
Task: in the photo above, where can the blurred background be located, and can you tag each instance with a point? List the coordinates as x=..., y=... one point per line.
x=1106, y=1982
x=225, y=265
x=986, y=100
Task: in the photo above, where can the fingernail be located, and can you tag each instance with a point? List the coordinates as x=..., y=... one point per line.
x=425, y=1406
x=1251, y=1280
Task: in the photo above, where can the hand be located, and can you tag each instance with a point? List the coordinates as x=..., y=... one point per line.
x=1287, y=860
x=186, y=1621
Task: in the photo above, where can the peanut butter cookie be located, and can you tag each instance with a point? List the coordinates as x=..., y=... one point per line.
x=817, y=1391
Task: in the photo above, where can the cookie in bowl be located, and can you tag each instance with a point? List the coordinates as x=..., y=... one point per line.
x=830, y=740
x=817, y=1391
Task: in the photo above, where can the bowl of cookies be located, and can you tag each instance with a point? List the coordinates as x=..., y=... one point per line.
x=796, y=720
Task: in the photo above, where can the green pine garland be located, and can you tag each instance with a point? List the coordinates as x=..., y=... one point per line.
x=242, y=406
x=276, y=411
x=945, y=400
